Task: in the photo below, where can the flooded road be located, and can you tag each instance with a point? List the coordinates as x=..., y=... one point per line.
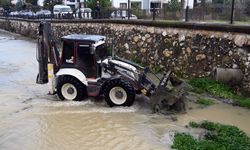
x=31, y=119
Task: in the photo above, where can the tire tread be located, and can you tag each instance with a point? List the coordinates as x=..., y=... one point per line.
x=124, y=84
x=81, y=90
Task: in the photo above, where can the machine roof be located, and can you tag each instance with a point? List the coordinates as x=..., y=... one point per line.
x=84, y=37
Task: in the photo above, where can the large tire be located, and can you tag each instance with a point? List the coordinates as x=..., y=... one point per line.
x=70, y=88
x=119, y=92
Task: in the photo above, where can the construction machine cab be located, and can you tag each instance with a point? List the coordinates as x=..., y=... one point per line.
x=83, y=52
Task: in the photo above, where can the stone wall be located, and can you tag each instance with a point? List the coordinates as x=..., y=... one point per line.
x=187, y=52
x=26, y=28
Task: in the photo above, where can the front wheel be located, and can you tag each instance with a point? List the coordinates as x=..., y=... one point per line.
x=119, y=92
x=70, y=88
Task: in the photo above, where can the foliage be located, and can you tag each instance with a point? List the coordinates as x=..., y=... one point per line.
x=29, y=4
x=157, y=70
x=49, y=4
x=33, y=2
x=6, y=4
x=104, y=4
x=208, y=85
x=221, y=1
x=136, y=6
x=204, y=3
x=183, y=141
x=204, y=101
x=243, y=102
x=211, y=86
x=194, y=124
x=19, y=5
x=35, y=8
x=174, y=5
x=109, y=51
x=218, y=136
x=247, y=9
x=197, y=90
x=136, y=60
x=136, y=9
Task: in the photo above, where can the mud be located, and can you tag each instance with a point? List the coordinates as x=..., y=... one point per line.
x=31, y=119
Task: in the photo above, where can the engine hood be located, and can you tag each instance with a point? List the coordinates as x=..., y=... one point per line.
x=122, y=66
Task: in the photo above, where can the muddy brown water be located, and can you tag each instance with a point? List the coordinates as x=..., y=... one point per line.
x=31, y=119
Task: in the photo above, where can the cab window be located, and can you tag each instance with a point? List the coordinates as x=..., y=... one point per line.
x=101, y=52
x=68, y=53
x=86, y=61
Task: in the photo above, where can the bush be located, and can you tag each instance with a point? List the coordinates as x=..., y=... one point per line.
x=218, y=137
x=204, y=101
x=201, y=85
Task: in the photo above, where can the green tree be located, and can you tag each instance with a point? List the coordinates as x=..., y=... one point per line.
x=6, y=4
x=221, y=1
x=247, y=9
x=174, y=5
x=104, y=4
x=33, y=2
x=35, y=8
x=217, y=1
x=203, y=3
x=19, y=5
x=49, y=4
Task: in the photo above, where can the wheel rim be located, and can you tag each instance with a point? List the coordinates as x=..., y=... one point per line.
x=118, y=95
x=69, y=91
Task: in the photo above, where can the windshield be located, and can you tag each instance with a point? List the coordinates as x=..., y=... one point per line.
x=66, y=10
x=87, y=10
x=101, y=52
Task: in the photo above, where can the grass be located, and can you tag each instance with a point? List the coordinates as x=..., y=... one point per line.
x=211, y=86
x=135, y=59
x=194, y=124
x=201, y=85
x=205, y=101
x=157, y=69
x=217, y=137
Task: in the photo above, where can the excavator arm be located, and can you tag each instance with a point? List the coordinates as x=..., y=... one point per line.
x=47, y=52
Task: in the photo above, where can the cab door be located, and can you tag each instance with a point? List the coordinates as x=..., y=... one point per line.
x=86, y=61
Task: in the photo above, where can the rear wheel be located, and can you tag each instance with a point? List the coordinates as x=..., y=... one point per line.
x=70, y=88
x=119, y=92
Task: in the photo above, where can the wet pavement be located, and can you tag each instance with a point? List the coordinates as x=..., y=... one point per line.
x=31, y=119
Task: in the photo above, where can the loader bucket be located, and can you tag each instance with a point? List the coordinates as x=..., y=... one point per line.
x=47, y=52
x=165, y=101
